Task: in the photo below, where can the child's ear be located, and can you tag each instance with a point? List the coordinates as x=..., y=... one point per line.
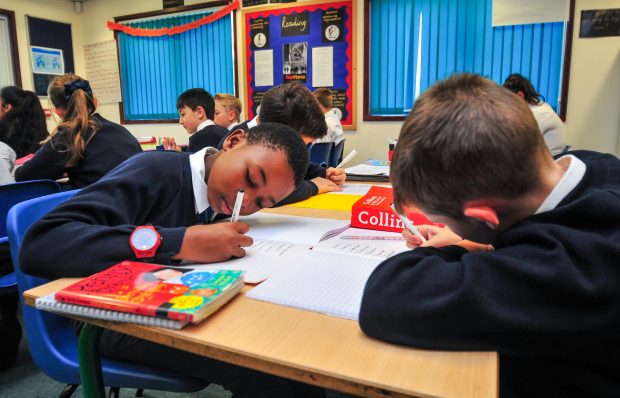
x=483, y=213
x=234, y=139
x=200, y=112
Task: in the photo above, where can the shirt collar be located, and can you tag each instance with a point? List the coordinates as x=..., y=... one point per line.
x=253, y=122
x=197, y=165
x=204, y=124
x=573, y=175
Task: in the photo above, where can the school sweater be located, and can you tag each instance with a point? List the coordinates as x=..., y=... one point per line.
x=547, y=299
x=304, y=190
x=111, y=145
x=91, y=231
x=209, y=136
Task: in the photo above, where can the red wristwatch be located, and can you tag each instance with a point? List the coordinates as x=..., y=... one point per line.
x=144, y=241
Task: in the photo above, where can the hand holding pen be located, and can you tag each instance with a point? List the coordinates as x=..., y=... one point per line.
x=408, y=224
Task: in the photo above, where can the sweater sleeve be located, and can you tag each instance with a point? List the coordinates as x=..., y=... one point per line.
x=522, y=298
x=303, y=191
x=48, y=163
x=90, y=232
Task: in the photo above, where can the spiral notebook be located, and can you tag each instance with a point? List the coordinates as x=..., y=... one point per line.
x=49, y=303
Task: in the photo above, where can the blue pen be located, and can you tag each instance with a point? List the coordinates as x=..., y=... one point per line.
x=408, y=224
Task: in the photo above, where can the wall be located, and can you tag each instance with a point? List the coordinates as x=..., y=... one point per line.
x=593, y=120
x=594, y=93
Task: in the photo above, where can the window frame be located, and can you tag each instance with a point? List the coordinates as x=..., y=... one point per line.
x=568, y=45
x=17, y=75
x=159, y=13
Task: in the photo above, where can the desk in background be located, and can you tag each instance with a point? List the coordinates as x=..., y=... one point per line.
x=316, y=348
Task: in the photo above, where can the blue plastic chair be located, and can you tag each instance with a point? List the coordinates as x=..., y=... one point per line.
x=52, y=340
x=336, y=157
x=321, y=152
x=10, y=195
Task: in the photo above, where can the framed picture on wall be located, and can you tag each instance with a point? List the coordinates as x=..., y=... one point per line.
x=310, y=43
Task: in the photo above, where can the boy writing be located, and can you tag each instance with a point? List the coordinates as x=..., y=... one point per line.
x=196, y=111
x=295, y=106
x=165, y=191
x=227, y=110
x=470, y=155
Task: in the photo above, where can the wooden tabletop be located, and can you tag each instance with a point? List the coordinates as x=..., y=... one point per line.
x=318, y=349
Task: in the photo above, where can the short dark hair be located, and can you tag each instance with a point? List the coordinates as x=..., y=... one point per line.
x=466, y=138
x=517, y=82
x=280, y=137
x=294, y=105
x=195, y=97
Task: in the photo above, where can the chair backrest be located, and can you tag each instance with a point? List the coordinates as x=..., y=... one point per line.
x=52, y=339
x=12, y=194
x=320, y=153
x=39, y=324
x=336, y=157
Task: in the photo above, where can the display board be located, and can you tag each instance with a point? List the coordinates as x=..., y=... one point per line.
x=51, y=51
x=312, y=44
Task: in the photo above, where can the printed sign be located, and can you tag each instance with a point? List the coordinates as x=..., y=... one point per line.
x=332, y=26
x=295, y=24
x=600, y=23
x=47, y=61
x=259, y=33
x=295, y=62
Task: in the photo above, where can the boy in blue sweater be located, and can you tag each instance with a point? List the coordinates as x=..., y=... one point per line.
x=168, y=192
x=546, y=294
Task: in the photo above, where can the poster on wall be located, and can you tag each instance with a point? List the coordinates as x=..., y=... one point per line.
x=600, y=23
x=311, y=44
x=47, y=61
x=102, y=71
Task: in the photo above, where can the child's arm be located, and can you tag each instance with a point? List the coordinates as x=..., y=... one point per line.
x=215, y=242
x=47, y=163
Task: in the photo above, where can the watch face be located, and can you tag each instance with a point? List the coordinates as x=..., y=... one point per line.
x=144, y=239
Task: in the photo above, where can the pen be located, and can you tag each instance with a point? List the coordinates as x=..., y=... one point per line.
x=235, y=214
x=347, y=159
x=408, y=224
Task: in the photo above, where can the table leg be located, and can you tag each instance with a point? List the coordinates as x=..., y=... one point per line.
x=90, y=361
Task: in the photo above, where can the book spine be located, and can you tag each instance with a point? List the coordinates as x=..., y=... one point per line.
x=369, y=218
x=122, y=306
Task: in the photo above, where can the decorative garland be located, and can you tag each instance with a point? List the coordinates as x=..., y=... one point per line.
x=175, y=30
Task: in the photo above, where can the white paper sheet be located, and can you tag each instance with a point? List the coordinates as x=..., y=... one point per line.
x=364, y=243
x=263, y=68
x=322, y=66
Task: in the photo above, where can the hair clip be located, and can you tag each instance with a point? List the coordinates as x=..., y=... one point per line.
x=79, y=84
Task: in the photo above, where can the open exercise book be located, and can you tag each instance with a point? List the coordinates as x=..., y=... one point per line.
x=304, y=267
x=147, y=294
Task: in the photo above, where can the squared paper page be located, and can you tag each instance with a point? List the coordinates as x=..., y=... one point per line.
x=323, y=282
x=262, y=260
x=367, y=243
x=292, y=229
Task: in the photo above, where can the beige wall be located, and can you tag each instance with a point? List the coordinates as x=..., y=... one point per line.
x=594, y=96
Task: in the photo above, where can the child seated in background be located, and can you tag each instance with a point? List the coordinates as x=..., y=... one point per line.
x=294, y=105
x=84, y=145
x=22, y=121
x=334, y=128
x=196, y=110
x=165, y=192
x=546, y=294
x=549, y=123
x=227, y=110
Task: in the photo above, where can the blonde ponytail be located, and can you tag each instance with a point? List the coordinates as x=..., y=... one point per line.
x=74, y=95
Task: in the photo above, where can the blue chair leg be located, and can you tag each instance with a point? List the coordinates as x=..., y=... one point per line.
x=90, y=361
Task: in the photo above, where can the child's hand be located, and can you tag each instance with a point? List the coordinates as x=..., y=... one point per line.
x=170, y=144
x=336, y=175
x=438, y=237
x=325, y=185
x=214, y=242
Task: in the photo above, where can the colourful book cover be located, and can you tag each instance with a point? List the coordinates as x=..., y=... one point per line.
x=154, y=290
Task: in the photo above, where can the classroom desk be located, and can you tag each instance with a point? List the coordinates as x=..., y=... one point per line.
x=318, y=349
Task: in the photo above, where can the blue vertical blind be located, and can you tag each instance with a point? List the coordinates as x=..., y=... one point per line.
x=156, y=70
x=416, y=43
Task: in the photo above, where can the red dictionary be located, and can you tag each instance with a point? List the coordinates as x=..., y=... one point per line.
x=373, y=211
